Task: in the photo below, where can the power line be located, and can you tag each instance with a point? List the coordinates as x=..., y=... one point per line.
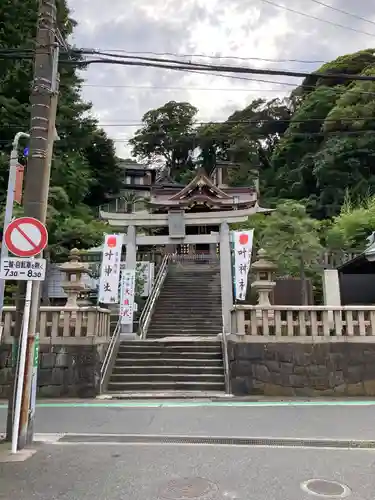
x=343, y=12
x=254, y=121
x=176, y=65
x=208, y=56
x=310, y=16
x=149, y=87
x=287, y=121
x=213, y=89
x=105, y=58
x=285, y=135
x=254, y=133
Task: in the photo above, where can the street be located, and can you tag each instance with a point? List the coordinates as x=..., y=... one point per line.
x=296, y=420
x=90, y=459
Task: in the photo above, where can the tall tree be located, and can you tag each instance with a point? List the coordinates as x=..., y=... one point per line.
x=248, y=138
x=167, y=136
x=329, y=146
x=84, y=168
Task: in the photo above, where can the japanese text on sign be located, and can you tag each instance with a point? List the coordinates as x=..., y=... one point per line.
x=243, y=245
x=127, y=296
x=110, y=270
x=18, y=269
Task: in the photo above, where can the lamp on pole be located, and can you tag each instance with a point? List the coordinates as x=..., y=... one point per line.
x=13, y=163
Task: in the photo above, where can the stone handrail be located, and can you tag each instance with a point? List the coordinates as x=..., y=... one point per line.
x=62, y=325
x=304, y=321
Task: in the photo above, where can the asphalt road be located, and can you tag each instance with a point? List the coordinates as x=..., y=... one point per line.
x=79, y=472
x=77, y=469
x=326, y=422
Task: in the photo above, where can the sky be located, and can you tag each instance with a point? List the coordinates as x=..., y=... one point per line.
x=253, y=33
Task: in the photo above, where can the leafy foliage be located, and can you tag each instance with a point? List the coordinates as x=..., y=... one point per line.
x=353, y=225
x=328, y=147
x=84, y=167
x=289, y=236
x=312, y=147
x=167, y=135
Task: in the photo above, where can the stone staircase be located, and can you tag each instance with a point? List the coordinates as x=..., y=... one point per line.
x=166, y=366
x=189, y=304
x=182, y=352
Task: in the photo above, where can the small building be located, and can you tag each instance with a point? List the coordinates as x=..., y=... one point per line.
x=357, y=277
x=137, y=181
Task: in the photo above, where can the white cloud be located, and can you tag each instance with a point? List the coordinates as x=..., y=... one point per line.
x=235, y=28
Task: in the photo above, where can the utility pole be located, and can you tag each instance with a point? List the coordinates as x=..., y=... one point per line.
x=43, y=101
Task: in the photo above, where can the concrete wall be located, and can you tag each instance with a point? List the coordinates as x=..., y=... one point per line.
x=304, y=368
x=64, y=370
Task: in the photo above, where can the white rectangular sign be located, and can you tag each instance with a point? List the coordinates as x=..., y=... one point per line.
x=144, y=272
x=243, y=245
x=23, y=269
x=127, y=296
x=110, y=270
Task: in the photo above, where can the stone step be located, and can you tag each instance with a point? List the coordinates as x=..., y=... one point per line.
x=176, y=317
x=155, y=335
x=170, y=355
x=165, y=386
x=182, y=294
x=184, y=319
x=212, y=287
x=174, y=331
x=173, y=308
x=168, y=369
x=185, y=343
x=170, y=348
x=183, y=330
x=170, y=361
x=168, y=377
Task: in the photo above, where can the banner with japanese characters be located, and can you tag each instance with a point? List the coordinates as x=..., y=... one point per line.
x=144, y=273
x=127, y=296
x=110, y=270
x=242, y=246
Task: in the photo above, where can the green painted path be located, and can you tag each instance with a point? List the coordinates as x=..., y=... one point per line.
x=190, y=404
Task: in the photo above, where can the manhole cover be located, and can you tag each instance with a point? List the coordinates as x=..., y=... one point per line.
x=184, y=488
x=325, y=488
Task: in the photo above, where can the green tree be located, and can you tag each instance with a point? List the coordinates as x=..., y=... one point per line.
x=84, y=168
x=329, y=145
x=167, y=136
x=351, y=228
x=291, y=239
x=248, y=137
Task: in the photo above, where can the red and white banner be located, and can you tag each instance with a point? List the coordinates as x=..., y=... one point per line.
x=243, y=246
x=110, y=270
x=127, y=296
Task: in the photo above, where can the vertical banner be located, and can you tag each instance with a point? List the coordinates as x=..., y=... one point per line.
x=243, y=245
x=110, y=270
x=127, y=296
x=19, y=184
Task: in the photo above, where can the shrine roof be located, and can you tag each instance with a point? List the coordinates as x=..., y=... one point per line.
x=201, y=188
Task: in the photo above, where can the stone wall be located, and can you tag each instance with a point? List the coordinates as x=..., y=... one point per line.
x=327, y=368
x=64, y=370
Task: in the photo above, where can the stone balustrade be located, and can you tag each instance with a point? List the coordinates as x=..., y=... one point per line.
x=304, y=321
x=64, y=325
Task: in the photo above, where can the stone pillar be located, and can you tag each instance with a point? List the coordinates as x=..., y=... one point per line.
x=263, y=283
x=213, y=248
x=131, y=263
x=331, y=291
x=226, y=276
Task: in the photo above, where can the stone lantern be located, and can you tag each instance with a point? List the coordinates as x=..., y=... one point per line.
x=73, y=285
x=263, y=283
